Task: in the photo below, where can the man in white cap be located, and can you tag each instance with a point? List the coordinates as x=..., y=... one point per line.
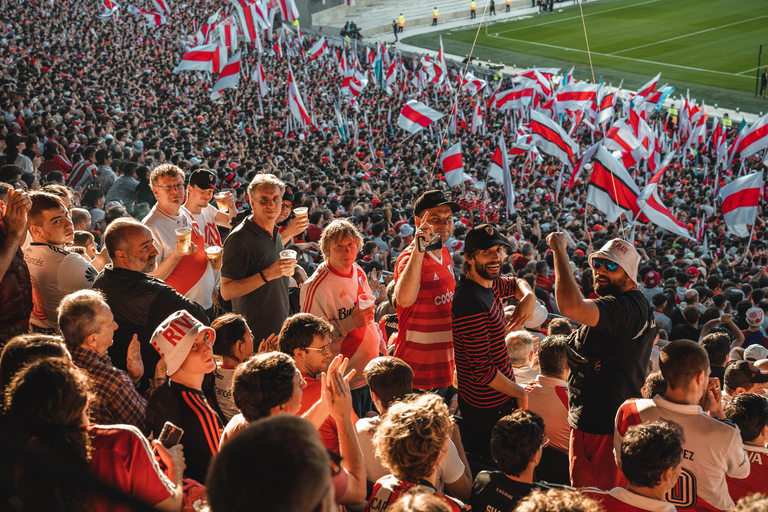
x=754, y=334
x=186, y=346
x=607, y=358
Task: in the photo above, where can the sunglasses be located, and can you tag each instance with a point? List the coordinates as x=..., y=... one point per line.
x=610, y=266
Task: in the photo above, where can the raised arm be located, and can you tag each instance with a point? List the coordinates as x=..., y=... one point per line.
x=570, y=301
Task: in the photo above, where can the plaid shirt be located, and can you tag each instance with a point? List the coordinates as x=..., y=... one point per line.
x=117, y=402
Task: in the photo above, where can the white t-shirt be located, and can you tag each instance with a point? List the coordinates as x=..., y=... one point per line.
x=193, y=276
x=206, y=219
x=448, y=471
x=54, y=273
x=548, y=397
x=712, y=450
x=223, y=389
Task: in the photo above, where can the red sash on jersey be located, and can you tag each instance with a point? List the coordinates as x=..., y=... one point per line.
x=190, y=268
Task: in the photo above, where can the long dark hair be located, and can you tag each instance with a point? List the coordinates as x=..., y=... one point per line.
x=47, y=399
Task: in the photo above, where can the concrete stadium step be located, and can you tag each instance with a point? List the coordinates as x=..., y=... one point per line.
x=376, y=17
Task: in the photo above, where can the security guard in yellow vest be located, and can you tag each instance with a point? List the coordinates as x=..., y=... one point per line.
x=672, y=111
x=508, y=2
x=472, y=6
x=434, y=17
x=727, y=123
x=400, y=23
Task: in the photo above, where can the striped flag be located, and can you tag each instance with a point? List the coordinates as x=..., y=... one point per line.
x=229, y=77
x=611, y=189
x=509, y=188
x=649, y=87
x=295, y=103
x=740, y=200
x=652, y=206
x=162, y=6
x=415, y=115
x=151, y=18
x=472, y=84
x=261, y=79
x=251, y=15
x=551, y=138
x=453, y=165
x=754, y=139
x=576, y=96
x=208, y=57
x=206, y=28
x=317, y=49
x=227, y=33
x=289, y=10
x=511, y=99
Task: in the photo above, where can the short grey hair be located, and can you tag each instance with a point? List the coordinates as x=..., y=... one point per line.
x=261, y=181
x=78, y=316
x=519, y=346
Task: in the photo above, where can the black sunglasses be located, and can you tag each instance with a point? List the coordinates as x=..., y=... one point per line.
x=610, y=266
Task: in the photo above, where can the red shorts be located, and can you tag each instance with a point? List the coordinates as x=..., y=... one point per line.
x=592, y=463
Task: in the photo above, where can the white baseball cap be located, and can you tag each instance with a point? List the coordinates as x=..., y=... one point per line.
x=174, y=337
x=621, y=252
x=538, y=317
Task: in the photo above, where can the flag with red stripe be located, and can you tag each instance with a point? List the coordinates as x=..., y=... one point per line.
x=653, y=208
x=453, y=165
x=611, y=189
x=162, y=6
x=317, y=49
x=261, y=79
x=740, y=200
x=519, y=97
x=208, y=57
x=295, y=103
x=229, y=77
x=415, y=115
x=289, y=9
x=576, y=96
x=754, y=139
x=551, y=138
x=649, y=87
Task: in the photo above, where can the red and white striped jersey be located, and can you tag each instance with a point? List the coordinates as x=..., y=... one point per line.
x=82, y=175
x=712, y=450
x=333, y=296
x=424, y=333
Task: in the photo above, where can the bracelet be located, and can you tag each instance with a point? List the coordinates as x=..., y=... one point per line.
x=263, y=278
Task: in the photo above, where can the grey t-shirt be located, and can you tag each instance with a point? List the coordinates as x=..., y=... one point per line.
x=248, y=250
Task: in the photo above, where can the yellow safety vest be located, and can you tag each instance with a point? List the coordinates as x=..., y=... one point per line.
x=508, y=2
x=673, y=114
x=434, y=13
x=401, y=20
x=472, y=5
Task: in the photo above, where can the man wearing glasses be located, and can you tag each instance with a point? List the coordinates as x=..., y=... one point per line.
x=614, y=342
x=253, y=274
x=183, y=266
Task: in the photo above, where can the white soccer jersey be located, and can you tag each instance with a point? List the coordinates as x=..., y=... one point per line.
x=548, y=397
x=206, y=219
x=193, y=276
x=332, y=296
x=712, y=450
x=55, y=273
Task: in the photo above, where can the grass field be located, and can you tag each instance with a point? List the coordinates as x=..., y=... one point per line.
x=710, y=46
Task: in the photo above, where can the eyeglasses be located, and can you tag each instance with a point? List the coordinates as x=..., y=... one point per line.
x=265, y=201
x=545, y=443
x=180, y=186
x=610, y=266
x=324, y=348
x=286, y=207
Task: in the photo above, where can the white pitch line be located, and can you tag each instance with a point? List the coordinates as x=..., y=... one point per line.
x=688, y=35
x=578, y=17
x=622, y=57
x=748, y=71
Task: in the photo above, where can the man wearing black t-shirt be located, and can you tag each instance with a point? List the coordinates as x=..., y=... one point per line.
x=487, y=387
x=614, y=338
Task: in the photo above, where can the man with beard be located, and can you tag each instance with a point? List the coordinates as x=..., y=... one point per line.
x=487, y=387
x=712, y=448
x=613, y=344
x=424, y=294
x=138, y=301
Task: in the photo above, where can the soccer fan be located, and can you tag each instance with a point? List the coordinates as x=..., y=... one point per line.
x=88, y=325
x=650, y=458
x=617, y=335
x=334, y=293
x=83, y=173
x=391, y=380
x=138, y=301
x=54, y=271
x=754, y=334
x=743, y=377
x=749, y=411
x=15, y=284
x=200, y=190
x=186, y=346
x=105, y=176
x=297, y=478
x=517, y=442
x=269, y=384
x=558, y=500
x=184, y=266
x=548, y=393
x=253, y=275
x=487, y=387
x=49, y=400
x=411, y=441
x=424, y=293
x=701, y=485
x=520, y=345
x=234, y=345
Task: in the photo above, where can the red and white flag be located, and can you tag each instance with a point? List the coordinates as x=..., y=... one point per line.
x=620, y=137
x=441, y=68
x=289, y=9
x=261, y=79
x=496, y=170
x=227, y=33
x=317, y=49
x=649, y=87
x=251, y=15
x=611, y=189
x=295, y=103
x=209, y=57
x=453, y=165
x=651, y=205
x=153, y=19
x=519, y=97
x=550, y=137
x=754, y=139
x=478, y=122
x=162, y=6
x=391, y=79
x=206, y=28
x=229, y=77
x=575, y=96
x=472, y=84
x=740, y=200
x=605, y=110
x=541, y=82
x=108, y=8
x=584, y=160
x=415, y=115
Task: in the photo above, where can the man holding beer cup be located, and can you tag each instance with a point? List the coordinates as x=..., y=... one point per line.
x=255, y=269
x=200, y=192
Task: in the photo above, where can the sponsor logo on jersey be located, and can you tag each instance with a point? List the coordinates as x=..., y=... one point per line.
x=435, y=278
x=445, y=298
x=343, y=294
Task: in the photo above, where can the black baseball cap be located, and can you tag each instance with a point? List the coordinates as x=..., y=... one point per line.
x=742, y=374
x=660, y=298
x=432, y=199
x=483, y=237
x=14, y=139
x=203, y=179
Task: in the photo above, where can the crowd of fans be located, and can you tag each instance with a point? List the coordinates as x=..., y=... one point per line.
x=325, y=319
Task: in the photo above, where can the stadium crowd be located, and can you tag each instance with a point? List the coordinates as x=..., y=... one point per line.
x=325, y=320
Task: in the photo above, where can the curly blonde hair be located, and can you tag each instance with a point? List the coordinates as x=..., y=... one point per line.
x=165, y=170
x=412, y=435
x=558, y=500
x=337, y=229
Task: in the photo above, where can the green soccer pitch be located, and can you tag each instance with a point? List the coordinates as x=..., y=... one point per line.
x=710, y=43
